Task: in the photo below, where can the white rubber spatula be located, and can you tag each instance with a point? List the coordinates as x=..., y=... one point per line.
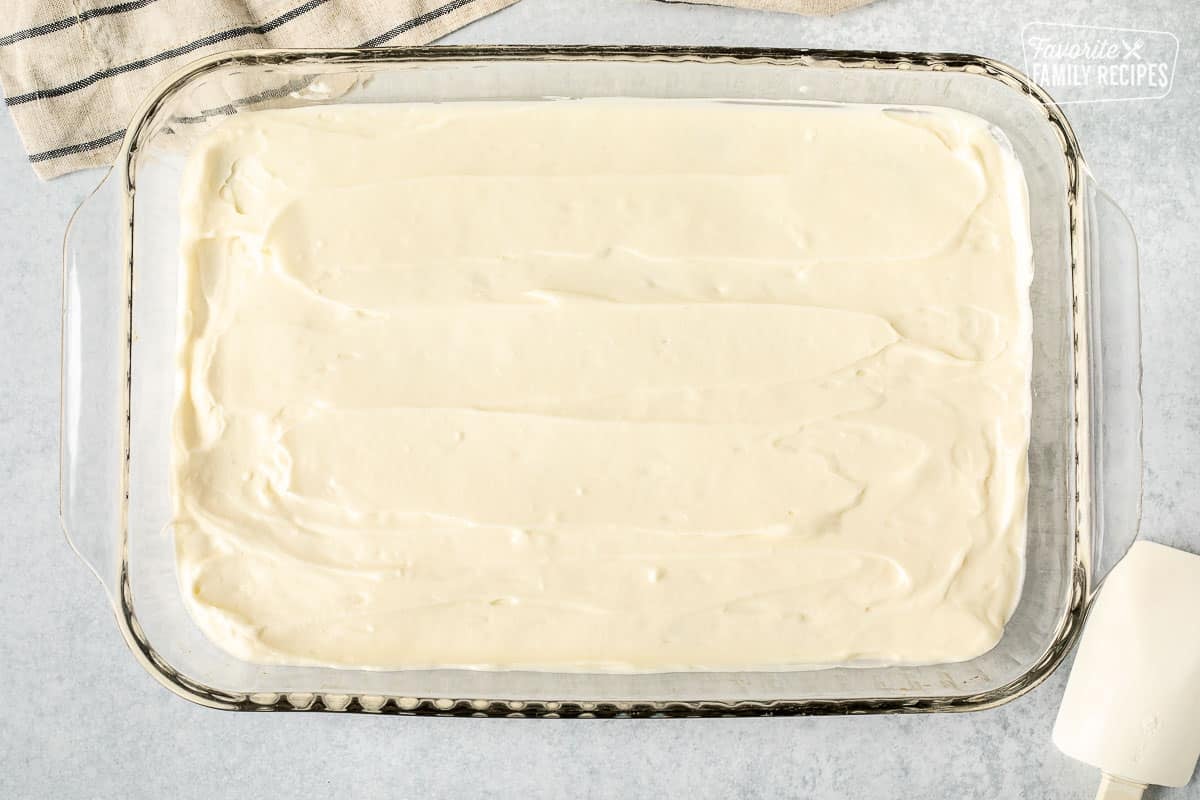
x=1132, y=705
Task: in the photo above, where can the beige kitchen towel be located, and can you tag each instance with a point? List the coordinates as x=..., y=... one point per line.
x=74, y=71
x=814, y=7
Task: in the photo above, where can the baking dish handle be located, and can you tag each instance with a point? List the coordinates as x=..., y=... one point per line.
x=94, y=345
x=1114, y=380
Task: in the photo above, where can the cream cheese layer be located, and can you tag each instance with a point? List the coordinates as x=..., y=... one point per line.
x=602, y=385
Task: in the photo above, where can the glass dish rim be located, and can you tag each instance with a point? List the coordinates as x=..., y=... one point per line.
x=1082, y=579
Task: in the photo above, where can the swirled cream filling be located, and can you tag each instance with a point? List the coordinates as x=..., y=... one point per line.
x=603, y=385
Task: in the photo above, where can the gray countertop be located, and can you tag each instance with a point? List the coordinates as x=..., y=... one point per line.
x=80, y=719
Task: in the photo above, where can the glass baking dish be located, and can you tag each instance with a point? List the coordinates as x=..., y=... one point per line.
x=120, y=323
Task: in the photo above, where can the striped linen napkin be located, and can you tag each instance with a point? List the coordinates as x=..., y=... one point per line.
x=74, y=71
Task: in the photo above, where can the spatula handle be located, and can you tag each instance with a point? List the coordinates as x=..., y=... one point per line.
x=1115, y=788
